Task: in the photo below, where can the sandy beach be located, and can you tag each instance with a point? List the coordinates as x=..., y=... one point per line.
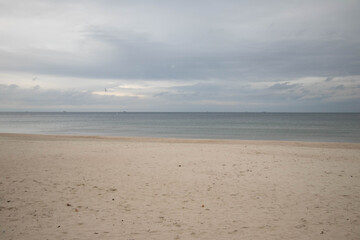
x=67, y=187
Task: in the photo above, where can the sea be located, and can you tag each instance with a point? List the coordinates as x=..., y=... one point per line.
x=309, y=127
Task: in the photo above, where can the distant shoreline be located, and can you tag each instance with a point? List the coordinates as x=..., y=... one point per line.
x=65, y=137
x=124, y=112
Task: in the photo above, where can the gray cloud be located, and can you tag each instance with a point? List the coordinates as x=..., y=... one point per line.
x=298, y=95
x=139, y=58
x=220, y=48
x=37, y=98
x=283, y=86
x=210, y=44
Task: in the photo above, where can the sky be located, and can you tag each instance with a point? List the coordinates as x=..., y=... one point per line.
x=166, y=55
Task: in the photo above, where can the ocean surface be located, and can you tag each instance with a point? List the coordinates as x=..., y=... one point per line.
x=319, y=127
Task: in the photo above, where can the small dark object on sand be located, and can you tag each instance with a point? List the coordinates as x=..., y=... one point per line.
x=68, y=204
x=113, y=199
x=58, y=226
x=322, y=232
x=179, y=165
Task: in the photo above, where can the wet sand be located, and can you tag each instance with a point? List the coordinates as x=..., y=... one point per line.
x=67, y=187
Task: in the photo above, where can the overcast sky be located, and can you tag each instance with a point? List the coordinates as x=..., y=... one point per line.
x=227, y=55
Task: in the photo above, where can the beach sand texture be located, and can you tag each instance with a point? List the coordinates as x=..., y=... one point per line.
x=63, y=187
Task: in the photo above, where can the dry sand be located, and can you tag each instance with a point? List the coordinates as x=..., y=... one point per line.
x=63, y=187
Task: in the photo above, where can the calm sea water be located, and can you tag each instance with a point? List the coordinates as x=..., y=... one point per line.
x=325, y=127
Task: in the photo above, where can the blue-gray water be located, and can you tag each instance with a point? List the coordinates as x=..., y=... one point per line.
x=324, y=127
